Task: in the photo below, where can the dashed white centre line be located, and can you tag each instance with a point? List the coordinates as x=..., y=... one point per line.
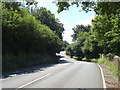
x=34, y=81
x=39, y=79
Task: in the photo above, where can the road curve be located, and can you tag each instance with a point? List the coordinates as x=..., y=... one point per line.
x=67, y=74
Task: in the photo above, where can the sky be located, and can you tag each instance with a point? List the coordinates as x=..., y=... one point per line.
x=70, y=18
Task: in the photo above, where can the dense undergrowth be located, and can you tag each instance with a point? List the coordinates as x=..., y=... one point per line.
x=29, y=37
x=111, y=64
x=13, y=63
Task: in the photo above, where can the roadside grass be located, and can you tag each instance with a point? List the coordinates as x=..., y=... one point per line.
x=94, y=60
x=102, y=60
x=75, y=57
x=85, y=59
x=81, y=59
x=112, y=67
x=13, y=63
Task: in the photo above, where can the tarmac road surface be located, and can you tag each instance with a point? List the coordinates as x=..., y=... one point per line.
x=69, y=73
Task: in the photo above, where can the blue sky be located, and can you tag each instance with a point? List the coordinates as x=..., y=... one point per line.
x=70, y=18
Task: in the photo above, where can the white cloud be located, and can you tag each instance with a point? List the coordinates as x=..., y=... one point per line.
x=86, y=21
x=68, y=31
x=67, y=36
x=68, y=28
x=67, y=25
x=44, y=3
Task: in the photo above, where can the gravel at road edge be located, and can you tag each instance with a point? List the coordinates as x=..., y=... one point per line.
x=111, y=80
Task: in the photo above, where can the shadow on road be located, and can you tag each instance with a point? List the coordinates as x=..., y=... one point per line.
x=34, y=68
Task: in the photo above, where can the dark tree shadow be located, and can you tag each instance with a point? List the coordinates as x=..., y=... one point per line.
x=33, y=69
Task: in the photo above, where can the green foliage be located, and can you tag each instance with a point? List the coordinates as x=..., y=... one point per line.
x=107, y=34
x=74, y=50
x=110, y=64
x=23, y=34
x=16, y=62
x=62, y=6
x=101, y=59
x=65, y=44
x=101, y=8
x=104, y=34
x=47, y=18
x=14, y=5
x=69, y=50
x=85, y=59
x=110, y=56
x=75, y=57
x=85, y=45
x=94, y=60
x=78, y=29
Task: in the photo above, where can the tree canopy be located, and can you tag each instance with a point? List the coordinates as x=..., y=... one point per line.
x=103, y=35
x=47, y=18
x=23, y=32
x=78, y=29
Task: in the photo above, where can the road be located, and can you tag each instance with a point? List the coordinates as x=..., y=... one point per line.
x=69, y=73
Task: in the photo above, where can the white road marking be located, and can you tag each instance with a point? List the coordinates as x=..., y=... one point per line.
x=39, y=78
x=34, y=81
x=104, y=85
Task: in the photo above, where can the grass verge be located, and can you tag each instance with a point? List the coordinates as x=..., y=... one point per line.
x=112, y=66
x=75, y=57
x=13, y=63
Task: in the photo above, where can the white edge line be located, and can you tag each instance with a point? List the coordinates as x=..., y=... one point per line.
x=34, y=81
x=103, y=78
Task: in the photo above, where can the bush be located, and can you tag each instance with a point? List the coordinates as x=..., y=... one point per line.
x=22, y=33
x=13, y=63
x=74, y=57
x=94, y=60
x=24, y=37
x=74, y=50
x=110, y=56
x=110, y=64
x=101, y=59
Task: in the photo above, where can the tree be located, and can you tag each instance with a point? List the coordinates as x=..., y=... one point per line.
x=78, y=29
x=105, y=27
x=81, y=33
x=23, y=33
x=47, y=18
x=107, y=33
x=101, y=8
